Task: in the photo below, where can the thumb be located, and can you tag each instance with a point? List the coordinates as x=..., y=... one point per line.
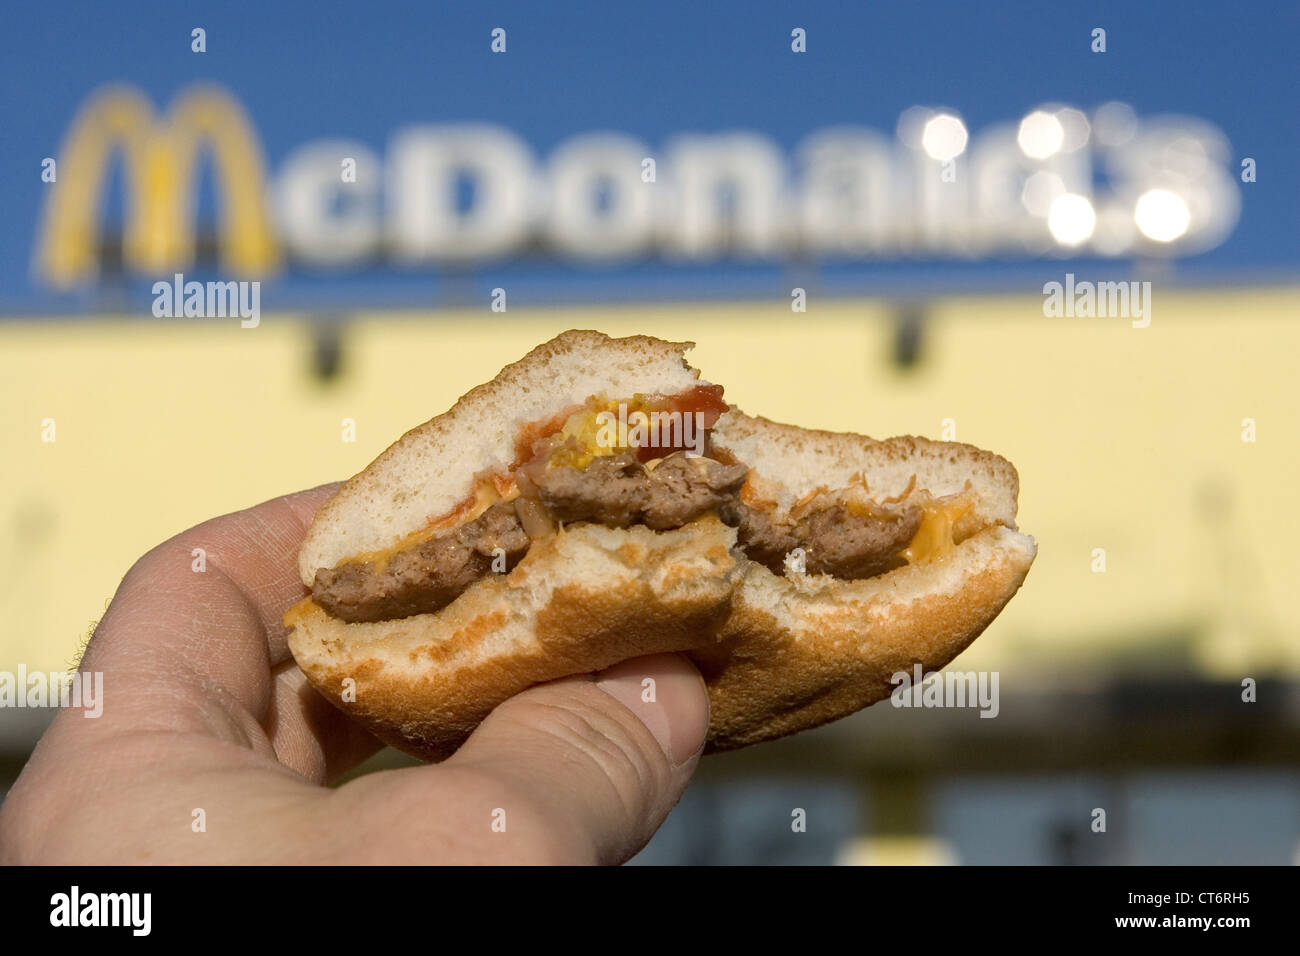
x=596, y=761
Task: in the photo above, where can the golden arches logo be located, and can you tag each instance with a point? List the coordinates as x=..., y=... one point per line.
x=160, y=157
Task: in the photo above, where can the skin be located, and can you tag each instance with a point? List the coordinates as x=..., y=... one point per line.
x=205, y=709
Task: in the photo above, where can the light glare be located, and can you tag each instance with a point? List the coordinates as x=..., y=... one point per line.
x=1162, y=215
x=1071, y=219
x=944, y=137
x=1041, y=135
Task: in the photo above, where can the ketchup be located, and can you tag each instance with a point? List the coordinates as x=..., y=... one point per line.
x=703, y=399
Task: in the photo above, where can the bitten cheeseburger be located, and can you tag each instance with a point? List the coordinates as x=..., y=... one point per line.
x=598, y=501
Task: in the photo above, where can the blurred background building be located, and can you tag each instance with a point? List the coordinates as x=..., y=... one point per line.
x=856, y=212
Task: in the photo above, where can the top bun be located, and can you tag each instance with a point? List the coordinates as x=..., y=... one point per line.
x=431, y=469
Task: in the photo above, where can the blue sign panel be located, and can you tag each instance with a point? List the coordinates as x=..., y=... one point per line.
x=425, y=154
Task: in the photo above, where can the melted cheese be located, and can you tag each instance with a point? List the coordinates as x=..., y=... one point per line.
x=934, y=538
x=586, y=438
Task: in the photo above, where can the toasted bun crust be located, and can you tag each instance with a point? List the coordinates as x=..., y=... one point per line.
x=779, y=653
x=798, y=652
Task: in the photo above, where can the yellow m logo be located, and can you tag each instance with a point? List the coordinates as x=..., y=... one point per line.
x=160, y=159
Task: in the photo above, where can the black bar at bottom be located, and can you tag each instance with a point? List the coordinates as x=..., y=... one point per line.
x=332, y=905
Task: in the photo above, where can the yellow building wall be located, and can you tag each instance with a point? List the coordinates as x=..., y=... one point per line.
x=1126, y=439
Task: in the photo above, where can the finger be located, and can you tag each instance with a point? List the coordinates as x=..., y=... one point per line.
x=257, y=551
x=595, y=763
x=209, y=601
x=311, y=735
x=191, y=637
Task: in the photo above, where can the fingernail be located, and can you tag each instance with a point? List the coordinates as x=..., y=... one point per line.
x=667, y=693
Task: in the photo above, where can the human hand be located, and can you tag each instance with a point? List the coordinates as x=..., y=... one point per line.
x=207, y=718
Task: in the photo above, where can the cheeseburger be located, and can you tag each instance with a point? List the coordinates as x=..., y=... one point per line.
x=599, y=501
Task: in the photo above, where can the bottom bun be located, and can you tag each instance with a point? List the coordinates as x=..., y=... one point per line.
x=800, y=651
x=779, y=654
x=581, y=601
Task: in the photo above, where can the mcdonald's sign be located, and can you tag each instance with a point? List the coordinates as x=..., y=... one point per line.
x=160, y=156
x=605, y=197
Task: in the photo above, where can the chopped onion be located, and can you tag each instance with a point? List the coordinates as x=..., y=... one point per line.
x=535, y=519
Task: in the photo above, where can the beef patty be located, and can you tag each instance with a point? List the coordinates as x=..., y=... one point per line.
x=425, y=577
x=617, y=491
x=835, y=540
